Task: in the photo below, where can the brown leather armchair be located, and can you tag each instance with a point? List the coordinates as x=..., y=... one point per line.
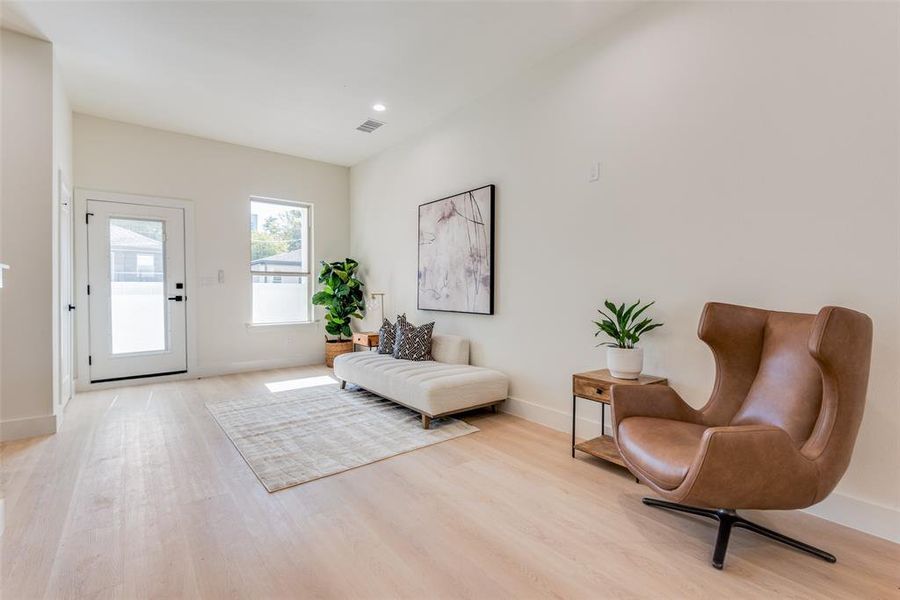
x=777, y=431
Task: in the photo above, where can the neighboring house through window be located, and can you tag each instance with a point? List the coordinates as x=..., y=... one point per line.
x=136, y=250
x=279, y=261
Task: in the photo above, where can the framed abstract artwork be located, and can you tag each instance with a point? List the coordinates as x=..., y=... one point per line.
x=456, y=253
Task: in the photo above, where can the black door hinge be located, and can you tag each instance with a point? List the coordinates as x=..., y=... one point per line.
x=89, y=289
x=87, y=218
x=90, y=359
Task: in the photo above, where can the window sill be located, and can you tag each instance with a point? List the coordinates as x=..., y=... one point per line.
x=288, y=324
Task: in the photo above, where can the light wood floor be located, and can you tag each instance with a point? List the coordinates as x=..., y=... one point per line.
x=142, y=495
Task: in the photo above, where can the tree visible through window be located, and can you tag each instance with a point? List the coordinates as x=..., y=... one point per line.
x=279, y=261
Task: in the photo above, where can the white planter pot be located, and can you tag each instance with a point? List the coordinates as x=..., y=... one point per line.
x=625, y=363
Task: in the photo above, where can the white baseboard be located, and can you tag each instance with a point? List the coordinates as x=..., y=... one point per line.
x=228, y=368
x=16, y=429
x=587, y=423
x=210, y=370
x=874, y=519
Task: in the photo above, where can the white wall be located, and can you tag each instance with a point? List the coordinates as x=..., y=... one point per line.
x=219, y=179
x=749, y=154
x=26, y=359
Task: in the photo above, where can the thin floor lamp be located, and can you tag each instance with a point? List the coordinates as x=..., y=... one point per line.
x=378, y=298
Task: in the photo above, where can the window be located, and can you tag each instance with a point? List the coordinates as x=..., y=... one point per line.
x=279, y=261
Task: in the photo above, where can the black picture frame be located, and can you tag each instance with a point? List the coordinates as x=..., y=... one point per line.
x=490, y=252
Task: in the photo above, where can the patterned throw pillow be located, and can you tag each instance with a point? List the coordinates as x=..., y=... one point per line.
x=386, y=335
x=413, y=343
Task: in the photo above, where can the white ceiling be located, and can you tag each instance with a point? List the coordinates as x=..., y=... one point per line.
x=297, y=77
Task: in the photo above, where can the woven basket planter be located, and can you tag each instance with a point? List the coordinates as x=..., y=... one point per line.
x=333, y=349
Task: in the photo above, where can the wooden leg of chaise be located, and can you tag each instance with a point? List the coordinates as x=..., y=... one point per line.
x=343, y=384
x=426, y=422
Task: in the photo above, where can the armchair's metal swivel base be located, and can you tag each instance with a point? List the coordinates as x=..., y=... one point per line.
x=729, y=519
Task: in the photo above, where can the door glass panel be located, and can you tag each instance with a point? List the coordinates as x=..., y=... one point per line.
x=137, y=286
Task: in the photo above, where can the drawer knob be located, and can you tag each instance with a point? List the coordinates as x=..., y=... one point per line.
x=600, y=390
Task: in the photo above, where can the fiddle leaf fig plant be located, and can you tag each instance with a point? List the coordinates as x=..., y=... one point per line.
x=623, y=325
x=341, y=295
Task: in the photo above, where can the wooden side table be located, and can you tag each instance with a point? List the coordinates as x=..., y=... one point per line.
x=368, y=339
x=595, y=386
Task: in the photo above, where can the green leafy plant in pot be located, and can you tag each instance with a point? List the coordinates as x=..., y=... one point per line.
x=343, y=298
x=625, y=326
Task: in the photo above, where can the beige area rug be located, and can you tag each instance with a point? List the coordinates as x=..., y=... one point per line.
x=292, y=437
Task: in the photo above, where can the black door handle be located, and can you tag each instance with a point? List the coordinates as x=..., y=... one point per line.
x=176, y=298
x=71, y=307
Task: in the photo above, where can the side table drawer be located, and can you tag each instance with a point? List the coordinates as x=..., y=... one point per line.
x=592, y=390
x=369, y=340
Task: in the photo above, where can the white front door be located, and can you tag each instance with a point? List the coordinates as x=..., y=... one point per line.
x=66, y=297
x=136, y=290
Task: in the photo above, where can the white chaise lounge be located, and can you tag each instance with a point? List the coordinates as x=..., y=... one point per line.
x=434, y=388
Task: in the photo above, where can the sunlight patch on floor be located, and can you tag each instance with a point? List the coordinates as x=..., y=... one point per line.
x=303, y=382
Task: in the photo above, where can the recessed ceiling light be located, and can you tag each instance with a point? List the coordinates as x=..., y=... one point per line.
x=379, y=107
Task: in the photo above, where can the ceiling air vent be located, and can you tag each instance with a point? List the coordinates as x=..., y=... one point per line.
x=370, y=126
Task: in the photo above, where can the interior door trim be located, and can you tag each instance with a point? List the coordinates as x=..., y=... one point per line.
x=65, y=294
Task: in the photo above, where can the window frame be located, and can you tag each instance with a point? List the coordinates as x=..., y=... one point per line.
x=308, y=247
